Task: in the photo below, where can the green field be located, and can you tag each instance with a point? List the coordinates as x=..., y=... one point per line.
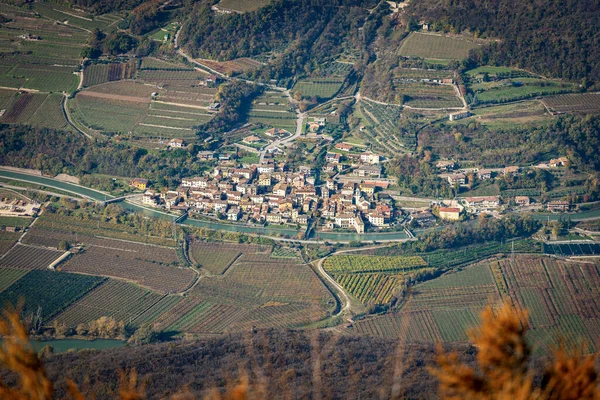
x=508, y=115
x=242, y=5
x=52, y=291
x=15, y=221
x=501, y=84
x=38, y=109
x=273, y=109
x=8, y=276
x=38, y=53
x=321, y=88
x=560, y=297
x=437, y=47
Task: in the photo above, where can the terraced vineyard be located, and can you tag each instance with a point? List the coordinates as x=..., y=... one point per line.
x=376, y=288
x=39, y=109
x=381, y=128
x=431, y=46
x=28, y=257
x=51, y=291
x=120, y=300
x=428, y=95
x=273, y=109
x=160, y=103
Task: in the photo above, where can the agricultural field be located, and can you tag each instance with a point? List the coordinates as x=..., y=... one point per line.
x=160, y=308
x=321, y=88
x=381, y=130
x=7, y=240
x=232, y=67
x=180, y=103
x=364, y=264
x=508, y=115
x=165, y=34
x=273, y=109
x=38, y=109
x=8, y=276
x=572, y=249
x=427, y=95
x=372, y=279
x=29, y=257
x=433, y=46
x=49, y=290
x=573, y=103
x=20, y=222
x=50, y=229
x=325, y=84
x=216, y=258
x=96, y=74
x=121, y=300
x=501, y=84
x=242, y=5
x=38, y=53
x=251, y=286
x=154, y=267
x=75, y=17
x=562, y=299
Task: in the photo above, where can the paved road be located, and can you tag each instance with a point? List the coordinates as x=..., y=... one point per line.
x=343, y=296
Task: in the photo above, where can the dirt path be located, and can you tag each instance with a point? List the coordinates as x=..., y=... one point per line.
x=118, y=97
x=344, y=298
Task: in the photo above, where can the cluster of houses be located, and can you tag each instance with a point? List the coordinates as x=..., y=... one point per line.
x=271, y=193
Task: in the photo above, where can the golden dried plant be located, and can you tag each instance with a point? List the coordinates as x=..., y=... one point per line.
x=17, y=354
x=502, y=365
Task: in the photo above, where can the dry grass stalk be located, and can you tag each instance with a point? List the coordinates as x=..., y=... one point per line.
x=502, y=365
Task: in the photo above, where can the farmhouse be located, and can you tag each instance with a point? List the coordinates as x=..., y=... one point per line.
x=484, y=174
x=139, y=183
x=449, y=213
x=423, y=218
x=176, y=143
x=558, y=206
x=460, y=179
x=314, y=126
x=446, y=165
x=477, y=204
x=522, y=200
x=367, y=170
x=251, y=139
x=370, y=158
x=344, y=146
x=275, y=132
x=559, y=162
x=458, y=115
x=512, y=170
x=206, y=155
x=333, y=158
